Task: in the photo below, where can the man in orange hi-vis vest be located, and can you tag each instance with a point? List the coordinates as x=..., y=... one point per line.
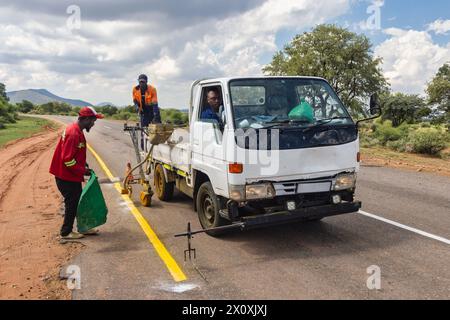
x=146, y=102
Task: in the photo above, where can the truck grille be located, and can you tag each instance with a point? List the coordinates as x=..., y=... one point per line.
x=302, y=187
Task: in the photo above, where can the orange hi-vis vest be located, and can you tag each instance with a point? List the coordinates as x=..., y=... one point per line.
x=151, y=98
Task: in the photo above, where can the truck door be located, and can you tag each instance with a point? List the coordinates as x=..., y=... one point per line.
x=207, y=136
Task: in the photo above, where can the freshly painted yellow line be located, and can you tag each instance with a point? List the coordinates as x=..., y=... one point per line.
x=165, y=256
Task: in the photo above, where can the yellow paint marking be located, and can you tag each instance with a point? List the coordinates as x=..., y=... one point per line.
x=165, y=256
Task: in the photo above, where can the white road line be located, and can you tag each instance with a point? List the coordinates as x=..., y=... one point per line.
x=422, y=233
x=107, y=127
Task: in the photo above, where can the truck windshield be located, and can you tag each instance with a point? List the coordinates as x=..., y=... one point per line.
x=285, y=102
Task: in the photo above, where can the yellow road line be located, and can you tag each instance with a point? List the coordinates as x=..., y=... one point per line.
x=165, y=256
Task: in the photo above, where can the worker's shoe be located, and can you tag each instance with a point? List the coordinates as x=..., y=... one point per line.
x=72, y=236
x=91, y=232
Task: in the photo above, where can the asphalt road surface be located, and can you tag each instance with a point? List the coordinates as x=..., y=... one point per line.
x=402, y=232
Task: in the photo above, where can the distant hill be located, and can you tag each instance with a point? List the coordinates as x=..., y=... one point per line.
x=104, y=104
x=41, y=96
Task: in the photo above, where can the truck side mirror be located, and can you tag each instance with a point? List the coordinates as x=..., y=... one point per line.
x=375, y=107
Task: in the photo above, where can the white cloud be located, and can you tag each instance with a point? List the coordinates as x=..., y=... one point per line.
x=233, y=46
x=165, y=67
x=440, y=26
x=174, y=43
x=410, y=59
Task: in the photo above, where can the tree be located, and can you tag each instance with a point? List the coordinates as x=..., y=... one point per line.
x=174, y=116
x=129, y=109
x=3, y=92
x=25, y=106
x=399, y=107
x=8, y=112
x=342, y=57
x=438, y=91
x=54, y=107
x=107, y=110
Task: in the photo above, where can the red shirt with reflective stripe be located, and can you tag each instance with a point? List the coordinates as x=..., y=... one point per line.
x=69, y=159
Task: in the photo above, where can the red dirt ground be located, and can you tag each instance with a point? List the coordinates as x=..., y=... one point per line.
x=30, y=207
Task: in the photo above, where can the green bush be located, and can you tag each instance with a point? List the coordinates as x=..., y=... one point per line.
x=418, y=138
x=108, y=111
x=428, y=141
x=130, y=109
x=174, y=116
x=60, y=108
x=368, y=141
x=124, y=115
x=25, y=106
x=8, y=113
x=401, y=145
x=385, y=132
x=7, y=118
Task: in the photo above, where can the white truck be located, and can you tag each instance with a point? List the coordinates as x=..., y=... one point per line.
x=283, y=149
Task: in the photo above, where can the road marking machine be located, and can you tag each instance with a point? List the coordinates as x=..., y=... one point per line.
x=153, y=135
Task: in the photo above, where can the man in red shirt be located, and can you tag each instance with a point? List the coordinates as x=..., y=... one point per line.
x=69, y=167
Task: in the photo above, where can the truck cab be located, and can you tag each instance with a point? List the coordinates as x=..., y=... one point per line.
x=278, y=149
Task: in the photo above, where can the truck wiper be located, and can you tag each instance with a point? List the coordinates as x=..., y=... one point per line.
x=321, y=123
x=324, y=122
x=277, y=123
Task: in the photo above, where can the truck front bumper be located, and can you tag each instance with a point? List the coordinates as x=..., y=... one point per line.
x=302, y=214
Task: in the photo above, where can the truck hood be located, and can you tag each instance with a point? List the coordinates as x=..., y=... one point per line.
x=297, y=164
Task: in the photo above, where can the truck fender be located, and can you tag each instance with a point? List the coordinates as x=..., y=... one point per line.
x=168, y=175
x=199, y=179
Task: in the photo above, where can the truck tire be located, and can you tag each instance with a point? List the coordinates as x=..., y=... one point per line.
x=208, y=206
x=164, y=189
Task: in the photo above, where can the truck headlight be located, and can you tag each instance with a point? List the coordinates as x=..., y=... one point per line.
x=237, y=192
x=345, y=181
x=259, y=191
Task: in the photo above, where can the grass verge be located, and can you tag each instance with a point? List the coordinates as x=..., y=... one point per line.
x=25, y=127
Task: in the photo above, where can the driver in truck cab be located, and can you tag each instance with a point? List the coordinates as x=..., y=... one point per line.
x=212, y=110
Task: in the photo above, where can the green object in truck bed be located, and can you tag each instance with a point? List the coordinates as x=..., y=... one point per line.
x=92, y=208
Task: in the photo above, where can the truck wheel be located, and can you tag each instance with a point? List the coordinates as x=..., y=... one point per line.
x=164, y=189
x=208, y=206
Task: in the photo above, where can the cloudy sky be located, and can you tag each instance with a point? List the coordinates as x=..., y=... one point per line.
x=98, y=57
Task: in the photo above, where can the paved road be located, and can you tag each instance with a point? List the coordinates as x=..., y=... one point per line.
x=323, y=260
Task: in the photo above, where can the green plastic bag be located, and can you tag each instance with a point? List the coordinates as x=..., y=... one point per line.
x=92, y=208
x=303, y=111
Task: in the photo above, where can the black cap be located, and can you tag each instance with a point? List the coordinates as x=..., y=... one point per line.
x=142, y=77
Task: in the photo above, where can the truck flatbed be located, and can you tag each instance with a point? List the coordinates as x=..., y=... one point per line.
x=176, y=151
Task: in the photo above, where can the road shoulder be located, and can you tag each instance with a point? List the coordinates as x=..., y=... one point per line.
x=30, y=218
